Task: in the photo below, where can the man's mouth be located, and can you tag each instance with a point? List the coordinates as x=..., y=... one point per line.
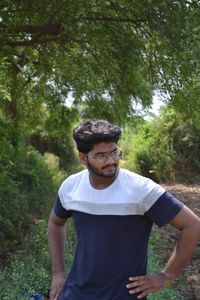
x=110, y=166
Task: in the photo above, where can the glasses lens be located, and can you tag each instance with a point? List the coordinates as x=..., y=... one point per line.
x=103, y=157
x=115, y=154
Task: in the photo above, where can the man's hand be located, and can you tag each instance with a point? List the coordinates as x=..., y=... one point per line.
x=56, y=285
x=144, y=285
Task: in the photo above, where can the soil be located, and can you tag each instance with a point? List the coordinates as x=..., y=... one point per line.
x=189, y=287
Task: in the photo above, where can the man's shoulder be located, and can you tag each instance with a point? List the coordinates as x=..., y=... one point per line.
x=77, y=175
x=74, y=178
x=139, y=182
x=126, y=174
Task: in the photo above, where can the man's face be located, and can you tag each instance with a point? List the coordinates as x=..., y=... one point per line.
x=103, y=160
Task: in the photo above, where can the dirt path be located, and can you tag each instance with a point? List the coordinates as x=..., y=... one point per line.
x=190, y=195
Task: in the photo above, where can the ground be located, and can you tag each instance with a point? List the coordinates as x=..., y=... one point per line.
x=190, y=285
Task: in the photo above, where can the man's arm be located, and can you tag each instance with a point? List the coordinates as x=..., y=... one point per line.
x=56, y=238
x=189, y=225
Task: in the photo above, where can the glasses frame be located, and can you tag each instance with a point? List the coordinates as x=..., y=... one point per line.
x=107, y=155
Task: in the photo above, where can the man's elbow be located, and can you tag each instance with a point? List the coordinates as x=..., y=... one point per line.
x=193, y=229
x=55, y=220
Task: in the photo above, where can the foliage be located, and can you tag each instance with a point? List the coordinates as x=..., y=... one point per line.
x=107, y=55
x=164, y=148
x=102, y=56
x=27, y=187
x=30, y=269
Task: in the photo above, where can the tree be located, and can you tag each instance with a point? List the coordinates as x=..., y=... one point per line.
x=108, y=55
x=118, y=49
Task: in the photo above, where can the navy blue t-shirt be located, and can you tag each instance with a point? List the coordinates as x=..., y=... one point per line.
x=111, y=247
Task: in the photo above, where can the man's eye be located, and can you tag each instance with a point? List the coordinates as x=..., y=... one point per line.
x=101, y=155
x=115, y=152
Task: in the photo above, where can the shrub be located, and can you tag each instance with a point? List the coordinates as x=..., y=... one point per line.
x=30, y=269
x=27, y=190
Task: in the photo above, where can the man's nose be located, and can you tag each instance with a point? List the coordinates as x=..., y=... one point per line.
x=110, y=159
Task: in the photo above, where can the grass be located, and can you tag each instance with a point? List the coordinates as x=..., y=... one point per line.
x=30, y=271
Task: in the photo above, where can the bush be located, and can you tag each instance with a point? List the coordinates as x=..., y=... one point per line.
x=159, y=136
x=27, y=190
x=164, y=148
x=30, y=269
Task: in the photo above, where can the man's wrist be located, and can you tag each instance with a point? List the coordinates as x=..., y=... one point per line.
x=168, y=278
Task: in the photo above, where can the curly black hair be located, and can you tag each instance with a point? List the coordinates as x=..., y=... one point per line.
x=92, y=132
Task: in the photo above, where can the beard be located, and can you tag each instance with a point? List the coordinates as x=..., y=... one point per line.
x=101, y=174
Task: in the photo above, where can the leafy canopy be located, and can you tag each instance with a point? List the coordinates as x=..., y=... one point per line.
x=110, y=52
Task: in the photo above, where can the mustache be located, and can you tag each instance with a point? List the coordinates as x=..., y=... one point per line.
x=113, y=165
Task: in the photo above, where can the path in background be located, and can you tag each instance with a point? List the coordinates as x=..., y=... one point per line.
x=189, y=195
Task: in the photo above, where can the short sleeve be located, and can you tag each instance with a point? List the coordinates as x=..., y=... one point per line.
x=164, y=209
x=60, y=211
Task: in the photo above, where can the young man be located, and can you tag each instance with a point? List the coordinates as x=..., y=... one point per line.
x=113, y=210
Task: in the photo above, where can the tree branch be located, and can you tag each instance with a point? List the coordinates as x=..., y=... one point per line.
x=30, y=42
x=110, y=19
x=53, y=29
x=51, y=32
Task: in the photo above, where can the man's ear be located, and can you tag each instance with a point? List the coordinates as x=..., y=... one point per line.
x=83, y=158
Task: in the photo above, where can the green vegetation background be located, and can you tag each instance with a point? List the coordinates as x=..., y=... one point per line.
x=64, y=61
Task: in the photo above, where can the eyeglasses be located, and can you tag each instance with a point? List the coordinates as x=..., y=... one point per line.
x=103, y=157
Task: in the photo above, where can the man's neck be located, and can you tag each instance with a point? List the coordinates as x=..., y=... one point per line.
x=99, y=182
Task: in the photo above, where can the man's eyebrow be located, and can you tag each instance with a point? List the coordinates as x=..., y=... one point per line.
x=106, y=151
